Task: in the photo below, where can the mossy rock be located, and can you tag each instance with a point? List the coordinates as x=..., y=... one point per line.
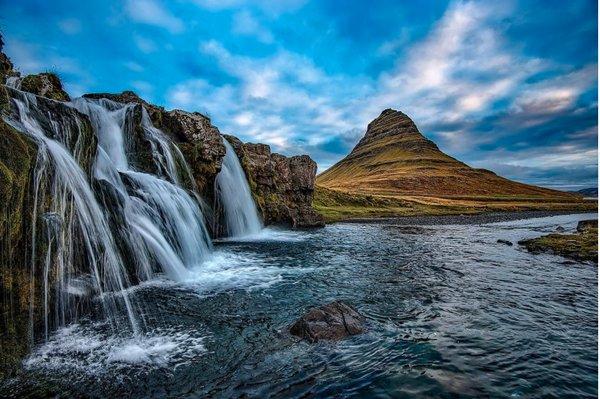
x=46, y=85
x=17, y=160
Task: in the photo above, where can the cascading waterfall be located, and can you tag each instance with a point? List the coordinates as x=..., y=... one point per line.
x=120, y=223
x=233, y=192
x=165, y=224
x=76, y=226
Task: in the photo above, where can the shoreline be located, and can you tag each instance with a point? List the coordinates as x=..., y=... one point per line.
x=462, y=219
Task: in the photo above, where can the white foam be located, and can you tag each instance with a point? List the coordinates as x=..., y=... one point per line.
x=90, y=351
x=227, y=270
x=268, y=234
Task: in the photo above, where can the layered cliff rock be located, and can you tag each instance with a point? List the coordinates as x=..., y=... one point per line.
x=283, y=187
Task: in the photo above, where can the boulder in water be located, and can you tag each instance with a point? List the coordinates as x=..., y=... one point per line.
x=560, y=229
x=585, y=225
x=333, y=321
x=506, y=242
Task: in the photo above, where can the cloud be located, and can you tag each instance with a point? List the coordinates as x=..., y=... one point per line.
x=145, y=45
x=270, y=7
x=245, y=24
x=70, y=26
x=556, y=94
x=271, y=100
x=151, y=13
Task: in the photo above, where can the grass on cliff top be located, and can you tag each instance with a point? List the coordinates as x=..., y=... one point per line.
x=578, y=246
x=335, y=205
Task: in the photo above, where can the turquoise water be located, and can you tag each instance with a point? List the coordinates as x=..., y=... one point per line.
x=450, y=313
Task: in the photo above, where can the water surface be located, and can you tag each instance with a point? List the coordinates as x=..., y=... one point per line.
x=450, y=312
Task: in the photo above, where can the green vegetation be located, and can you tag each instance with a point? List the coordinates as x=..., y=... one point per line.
x=582, y=245
x=45, y=84
x=335, y=205
x=17, y=157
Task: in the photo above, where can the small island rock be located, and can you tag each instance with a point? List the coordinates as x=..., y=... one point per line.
x=333, y=321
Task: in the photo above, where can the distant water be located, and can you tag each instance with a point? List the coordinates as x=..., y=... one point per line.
x=450, y=311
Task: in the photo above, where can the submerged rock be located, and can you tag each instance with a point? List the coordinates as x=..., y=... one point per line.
x=585, y=225
x=506, y=242
x=560, y=229
x=333, y=321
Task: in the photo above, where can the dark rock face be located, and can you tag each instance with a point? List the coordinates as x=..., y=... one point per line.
x=46, y=85
x=333, y=321
x=505, y=242
x=585, y=225
x=199, y=141
x=6, y=66
x=283, y=187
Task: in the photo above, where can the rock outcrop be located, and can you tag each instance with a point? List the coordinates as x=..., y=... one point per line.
x=45, y=85
x=283, y=187
x=586, y=225
x=581, y=246
x=333, y=321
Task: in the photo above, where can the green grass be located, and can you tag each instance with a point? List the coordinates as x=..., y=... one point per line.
x=578, y=246
x=335, y=205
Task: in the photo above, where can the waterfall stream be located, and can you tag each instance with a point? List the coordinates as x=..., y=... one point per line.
x=241, y=216
x=115, y=228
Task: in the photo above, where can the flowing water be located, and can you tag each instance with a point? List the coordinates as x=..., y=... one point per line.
x=233, y=193
x=450, y=312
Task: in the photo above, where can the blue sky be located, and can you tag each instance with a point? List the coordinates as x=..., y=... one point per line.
x=509, y=86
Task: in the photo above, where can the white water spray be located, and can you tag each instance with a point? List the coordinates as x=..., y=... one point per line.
x=241, y=216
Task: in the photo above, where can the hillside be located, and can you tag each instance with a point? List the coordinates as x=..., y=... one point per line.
x=395, y=162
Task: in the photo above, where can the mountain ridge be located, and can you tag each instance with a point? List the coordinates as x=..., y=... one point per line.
x=395, y=158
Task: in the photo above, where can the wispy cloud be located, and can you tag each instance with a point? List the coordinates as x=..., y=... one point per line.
x=244, y=23
x=151, y=12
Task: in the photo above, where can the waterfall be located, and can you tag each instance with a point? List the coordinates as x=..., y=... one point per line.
x=233, y=193
x=165, y=224
x=109, y=228
x=78, y=232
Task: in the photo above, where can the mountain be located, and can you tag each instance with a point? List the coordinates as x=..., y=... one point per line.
x=395, y=159
x=591, y=192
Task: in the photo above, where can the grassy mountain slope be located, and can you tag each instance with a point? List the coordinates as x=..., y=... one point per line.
x=395, y=170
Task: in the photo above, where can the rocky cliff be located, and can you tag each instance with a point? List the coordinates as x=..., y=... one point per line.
x=283, y=187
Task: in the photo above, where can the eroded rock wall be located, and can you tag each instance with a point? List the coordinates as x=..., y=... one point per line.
x=283, y=187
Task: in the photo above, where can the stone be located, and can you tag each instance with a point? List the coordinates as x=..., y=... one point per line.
x=333, y=321
x=283, y=187
x=506, y=242
x=560, y=229
x=584, y=225
x=45, y=85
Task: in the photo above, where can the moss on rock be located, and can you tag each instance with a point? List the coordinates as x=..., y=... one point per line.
x=17, y=160
x=582, y=246
x=46, y=85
